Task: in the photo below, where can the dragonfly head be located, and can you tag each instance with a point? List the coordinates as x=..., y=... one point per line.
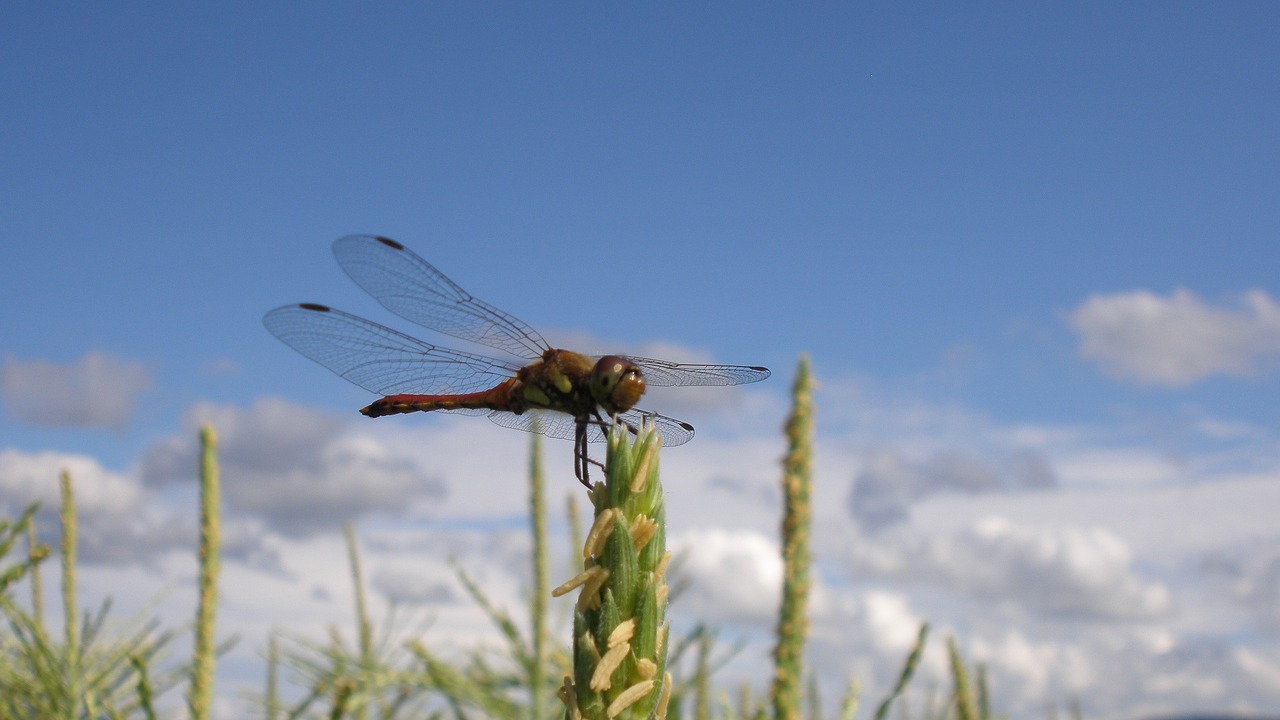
x=616, y=383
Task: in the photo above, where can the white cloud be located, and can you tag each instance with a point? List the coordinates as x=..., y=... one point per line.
x=1179, y=339
x=1056, y=572
x=733, y=575
x=890, y=617
x=33, y=477
x=1118, y=467
x=1166, y=525
x=1251, y=575
x=1038, y=667
x=888, y=483
x=118, y=520
x=409, y=585
x=95, y=391
x=295, y=468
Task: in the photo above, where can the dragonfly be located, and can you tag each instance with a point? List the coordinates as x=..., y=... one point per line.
x=538, y=388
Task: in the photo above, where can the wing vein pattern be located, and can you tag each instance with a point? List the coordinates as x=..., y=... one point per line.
x=415, y=290
x=379, y=359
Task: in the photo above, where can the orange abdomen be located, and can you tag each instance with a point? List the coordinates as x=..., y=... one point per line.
x=496, y=398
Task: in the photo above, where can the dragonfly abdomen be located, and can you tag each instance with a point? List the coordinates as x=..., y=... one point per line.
x=496, y=398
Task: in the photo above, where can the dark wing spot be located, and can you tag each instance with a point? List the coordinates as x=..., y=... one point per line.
x=314, y=306
x=389, y=242
x=685, y=425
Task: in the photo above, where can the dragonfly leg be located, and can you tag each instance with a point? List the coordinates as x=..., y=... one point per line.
x=581, y=461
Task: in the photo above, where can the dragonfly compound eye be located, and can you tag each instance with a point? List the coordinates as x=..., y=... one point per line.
x=616, y=383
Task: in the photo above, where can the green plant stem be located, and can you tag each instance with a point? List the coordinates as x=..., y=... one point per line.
x=201, y=698
x=966, y=706
x=70, y=607
x=145, y=691
x=984, y=699
x=702, y=678
x=908, y=670
x=793, y=623
x=273, y=674
x=541, y=580
x=35, y=553
x=849, y=707
x=814, y=697
x=364, y=627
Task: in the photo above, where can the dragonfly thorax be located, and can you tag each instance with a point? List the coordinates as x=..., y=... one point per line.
x=616, y=384
x=573, y=383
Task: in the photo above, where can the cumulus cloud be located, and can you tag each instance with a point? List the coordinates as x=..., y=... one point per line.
x=1067, y=572
x=118, y=520
x=889, y=483
x=1209, y=667
x=1251, y=575
x=732, y=575
x=1178, y=339
x=410, y=587
x=97, y=391
x=1148, y=671
x=33, y=477
x=292, y=467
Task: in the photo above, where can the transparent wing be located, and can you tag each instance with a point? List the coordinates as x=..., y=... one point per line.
x=661, y=373
x=560, y=425
x=380, y=359
x=548, y=422
x=415, y=290
x=674, y=432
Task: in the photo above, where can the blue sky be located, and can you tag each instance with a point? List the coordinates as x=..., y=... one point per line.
x=993, y=228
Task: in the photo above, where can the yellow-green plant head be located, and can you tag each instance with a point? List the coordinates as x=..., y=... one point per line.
x=616, y=384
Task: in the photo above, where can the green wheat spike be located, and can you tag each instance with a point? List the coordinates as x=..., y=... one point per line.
x=35, y=554
x=541, y=581
x=984, y=699
x=966, y=707
x=608, y=620
x=648, y=622
x=814, y=698
x=364, y=626
x=908, y=670
x=793, y=624
x=849, y=707
x=201, y=698
x=624, y=570
x=702, y=678
x=725, y=705
x=272, y=700
x=620, y=617
x=744, y=701
x=145, y=690
x=589, y=703
x=10, y=532
x=72, y=627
